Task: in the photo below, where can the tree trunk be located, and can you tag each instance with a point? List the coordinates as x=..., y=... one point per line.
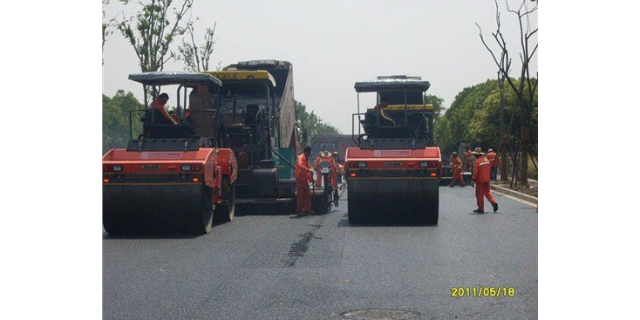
x=503, y=133
x=524, y=158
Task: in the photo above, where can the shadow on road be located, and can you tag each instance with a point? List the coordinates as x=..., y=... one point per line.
x=344, y=223
x=167, y=236
x=265, y=209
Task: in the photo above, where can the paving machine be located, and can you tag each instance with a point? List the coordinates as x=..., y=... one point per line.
x=394, y=172
x=172, y=177
x=256, y=120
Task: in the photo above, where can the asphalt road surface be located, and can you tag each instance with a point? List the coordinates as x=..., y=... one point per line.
x=319, y=267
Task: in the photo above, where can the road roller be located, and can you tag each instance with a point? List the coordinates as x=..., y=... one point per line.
x=394, y=171
x=172, y=177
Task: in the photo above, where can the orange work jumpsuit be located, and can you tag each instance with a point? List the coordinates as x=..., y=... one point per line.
x=495, y=162
x=316, y=168
x=457, y=172
x=159, y=105
x=334, y=172
x=303, y=177
x=481, y=176
x=468, y=160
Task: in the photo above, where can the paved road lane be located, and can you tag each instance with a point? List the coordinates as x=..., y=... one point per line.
x=278, y=267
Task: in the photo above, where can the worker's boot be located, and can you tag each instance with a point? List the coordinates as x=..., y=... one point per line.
x=478, y=211
x=495, y=206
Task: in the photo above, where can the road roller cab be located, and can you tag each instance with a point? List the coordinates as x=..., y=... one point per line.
x=394, y=172
x=171, y=178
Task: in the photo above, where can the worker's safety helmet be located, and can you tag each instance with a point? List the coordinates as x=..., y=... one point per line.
x=490, y=150
x=454, y=153
x=478, y=151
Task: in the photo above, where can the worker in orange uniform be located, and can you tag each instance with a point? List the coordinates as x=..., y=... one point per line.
x=495, y=163
x=379, y=110
x=161, y=115
x=316, y=168
x=468, y=160
x=303, y=177
x=325, y=156
x=481, y=178
x=456, y=167
x=337, y=172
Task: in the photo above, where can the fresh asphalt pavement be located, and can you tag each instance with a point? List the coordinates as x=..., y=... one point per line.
x=319, y=267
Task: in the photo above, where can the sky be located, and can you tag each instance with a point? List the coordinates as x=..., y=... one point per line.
x=333, y=44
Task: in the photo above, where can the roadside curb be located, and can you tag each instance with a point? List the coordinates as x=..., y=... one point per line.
x=516, y=194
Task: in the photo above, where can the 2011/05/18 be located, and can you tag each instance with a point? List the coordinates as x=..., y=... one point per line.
x=480, y=291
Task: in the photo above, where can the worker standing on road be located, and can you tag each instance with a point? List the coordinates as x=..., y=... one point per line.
x=336, y=169
x=495, y=162
x=316, y=168
x=481, y=178
x=323, y=156
x=468, y=160
x=456, y=167
x=303, y=177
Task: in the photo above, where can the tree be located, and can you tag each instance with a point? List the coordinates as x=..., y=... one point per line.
x=152, y=31
x=106, y=26
x=311, y=124
x=474, y=118
x=115, y=120
x=197, y=58
x=525, y=100
x=437, y=105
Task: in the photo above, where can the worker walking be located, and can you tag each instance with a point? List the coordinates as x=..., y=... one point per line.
x=495, y=163
x=468, y=160
x=481, y=178
x=456, y=167
x=303, y=177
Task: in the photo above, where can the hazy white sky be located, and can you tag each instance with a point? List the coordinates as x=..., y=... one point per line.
x=333, y=44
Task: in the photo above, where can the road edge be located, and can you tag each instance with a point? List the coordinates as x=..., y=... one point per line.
x=515, y=194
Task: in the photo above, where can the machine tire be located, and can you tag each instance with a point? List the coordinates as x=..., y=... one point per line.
x=431, y=207
x=225, y=212
x=112, y=227
x=325, y=203
x=354, y=213
x=201, y=223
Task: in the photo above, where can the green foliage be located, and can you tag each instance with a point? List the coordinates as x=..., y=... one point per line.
x=474, y=116
x=152, y=31
x=437, y=105
x=107, y=26
x=196, y=58
x=311, y=124
x=532, y=170
x=115, y=120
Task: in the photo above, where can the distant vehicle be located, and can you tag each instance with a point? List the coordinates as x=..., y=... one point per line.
x=393, y=173
x=172, y=177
